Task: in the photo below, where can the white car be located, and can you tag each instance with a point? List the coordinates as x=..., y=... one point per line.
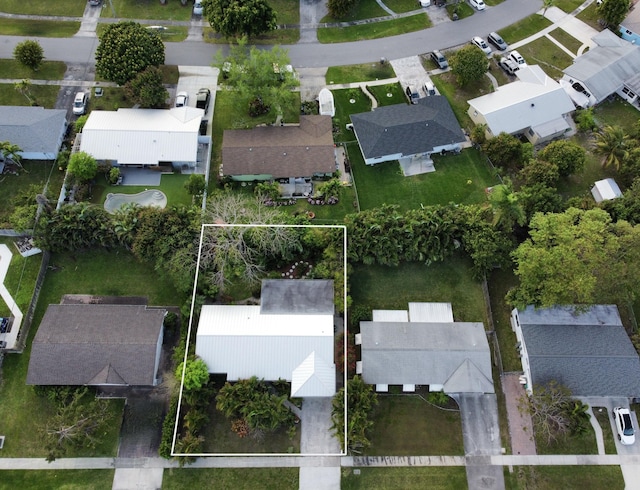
x=478, y=4
x=197, y=8
x=517, y=58
x=482, y=44
x=624, y=426
x=182, y=99
x=80, y=103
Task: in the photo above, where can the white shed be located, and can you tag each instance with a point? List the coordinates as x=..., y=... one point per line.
x=605, y=190
x=325, y=100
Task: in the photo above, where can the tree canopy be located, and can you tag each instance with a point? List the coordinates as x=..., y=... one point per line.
x=577, y=257
x=237, y=18
x=360, y=399
x=126, y=49
x=146, y=89
x=340, y=8
x=612, y=12
x=82, y=166
x=568, y=156
x=468, y=64
x=29, y=53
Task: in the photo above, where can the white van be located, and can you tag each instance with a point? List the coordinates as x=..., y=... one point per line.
x=429, y=89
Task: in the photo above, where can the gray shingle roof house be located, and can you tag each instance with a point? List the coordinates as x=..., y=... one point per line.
x=97, y=345
x=611, y=67
x=446, y=355
x=38, y=131
x=402, y=131
x=588, y=351
x=276, y=152
x=288, y=336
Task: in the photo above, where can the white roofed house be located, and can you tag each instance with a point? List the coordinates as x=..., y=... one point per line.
x=143, y=137
x=288, y=336
x=535, y=106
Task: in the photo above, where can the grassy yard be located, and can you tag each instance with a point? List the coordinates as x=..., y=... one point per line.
x=572, y=444
x=458, y=96
x=21, y=277
x=499, y=282
x=374, y=30
x=590, y=16
x=327, y=214
x=15, y=189
x=405, y=425
x=58, y=479
x=59, y=7
x=546, y=54
x=604, y=419
x=231, y=479
x=22, y=412
x=462, y=9
x=616, y=112
x=344, y=108
x=359, y=73
x=113, y=98
x=389, y=94
x=524, y=28
x=172, y=185
x=365, y=9
x=279, y=37
x=38, y=28
x=566, y=39
x=382, y=287
x=399, y=6
x=419, y=478
x=459, y=178
x=148, y=9
x=567, y=6
x=45, y=95
x=49, y=70
x=565, y=477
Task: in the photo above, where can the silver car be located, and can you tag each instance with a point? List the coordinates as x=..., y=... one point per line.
x=482, y=44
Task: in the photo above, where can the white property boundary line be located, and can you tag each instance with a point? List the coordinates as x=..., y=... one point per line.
x=12, y=337
x=186, y=352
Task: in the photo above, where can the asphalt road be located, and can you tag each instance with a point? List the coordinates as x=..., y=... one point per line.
x=442, y=36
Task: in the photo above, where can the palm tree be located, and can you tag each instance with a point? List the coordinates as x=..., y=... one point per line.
x=507, y=210
x=613, y=144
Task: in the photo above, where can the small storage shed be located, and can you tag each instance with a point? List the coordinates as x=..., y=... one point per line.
x=605, y=190
x=325, y=100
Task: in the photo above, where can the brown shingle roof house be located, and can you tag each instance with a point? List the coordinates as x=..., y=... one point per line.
x=96, y=345
x=275, y=152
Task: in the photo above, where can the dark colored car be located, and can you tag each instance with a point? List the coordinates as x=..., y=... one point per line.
x=203, y=98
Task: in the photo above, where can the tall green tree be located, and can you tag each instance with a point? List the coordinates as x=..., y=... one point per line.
x=237, y=18
x=577, y=257
x=612, y=12
x=29, y=53
x=568, y=156
x=146, y=89
x=24, y=87
x=505, y=151
x=613, y=143
x=360, y=402
x=82, y=166
x=468, y=64
x=126, y=49
x=507, y=209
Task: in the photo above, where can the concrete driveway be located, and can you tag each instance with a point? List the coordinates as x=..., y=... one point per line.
x=192, y=79
x=481, y=435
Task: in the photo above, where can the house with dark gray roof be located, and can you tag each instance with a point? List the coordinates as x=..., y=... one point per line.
x=97, y=345
x=405, y=132
x=279, y=152
x=424, y=346
x=586, y=350
x=39, y=132
x=609, y=68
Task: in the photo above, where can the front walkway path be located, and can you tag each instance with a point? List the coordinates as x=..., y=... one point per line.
x=520, y=425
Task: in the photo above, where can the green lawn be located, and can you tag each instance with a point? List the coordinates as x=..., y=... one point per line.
x=59, y=7
x=604, y=420
x=499, y=282
x=231, y=479
x=462, y=9
x=147, y=9
x=524, y=28
x=359, y=73
x=57, y=479
x=405, y=425
x=279, y=37
x=545, y=53
x=344, y=108
x=400, y=6
x=38, y=28
x=49, y=70
x=374, y=30
x=459, y=178
x=44, y=95
x=21, y=277
x=458, y=96
x=15, y=188
x=566, y=39
x=288, y=11
x=172, y=185
x=382, y=287
x=616, y=112
x=389, y=94
x=98, y=272
x=565, y=477
x=418, y=478
x=327, y=214
x=113, y=98
x=365, y=9
x=590, y=16
x=567, y=5
x=572, y=444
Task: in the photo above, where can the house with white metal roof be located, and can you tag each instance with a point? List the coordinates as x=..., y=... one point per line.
x=586, y=350
x=612, y=67
x=424, y=346
x=39, y=132
x=288, y=336
x=143, y=137
x=535, y=106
